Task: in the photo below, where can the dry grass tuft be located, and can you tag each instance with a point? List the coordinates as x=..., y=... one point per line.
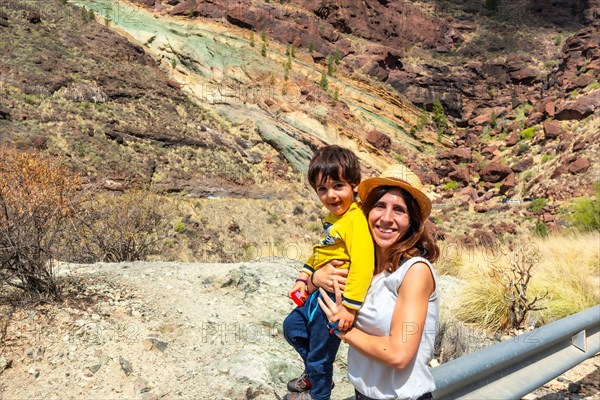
x=555, y=277
x=569, y=270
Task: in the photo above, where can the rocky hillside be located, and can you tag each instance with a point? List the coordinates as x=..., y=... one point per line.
x=209, y=101
x=518, y=82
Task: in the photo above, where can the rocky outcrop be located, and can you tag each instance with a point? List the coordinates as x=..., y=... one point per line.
x=581, y=60
x=494, y=172
x=580, y=108
x=322, y=26
x=379, y=140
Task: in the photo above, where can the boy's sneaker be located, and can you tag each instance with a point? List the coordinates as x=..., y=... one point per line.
x=298, y=396
x=300, y=384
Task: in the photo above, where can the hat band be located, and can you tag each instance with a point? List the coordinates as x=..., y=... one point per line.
x=399, y=180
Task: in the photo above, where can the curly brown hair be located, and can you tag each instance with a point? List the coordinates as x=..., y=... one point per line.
x=418, y=241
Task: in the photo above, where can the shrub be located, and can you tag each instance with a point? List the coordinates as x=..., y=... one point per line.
x=540, y=230
x=179, y=227
x=452, y=185
x=497, y=294
x=558, y=40
x=537, y=204
x=124, y=227
x=335, y=96
x=331, y=63
x=494, y=120
x=586, y=212
x=528, y=133
x=439, y=117
x=323, y=83
x=35, y=204
x=522, y=148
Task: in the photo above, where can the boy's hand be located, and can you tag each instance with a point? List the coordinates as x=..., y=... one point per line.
x=345, y=317
x=301, y=286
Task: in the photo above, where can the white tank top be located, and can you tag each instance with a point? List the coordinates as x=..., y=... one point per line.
x=373, y=378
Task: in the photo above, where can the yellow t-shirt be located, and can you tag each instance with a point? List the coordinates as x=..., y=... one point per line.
x=347, y=238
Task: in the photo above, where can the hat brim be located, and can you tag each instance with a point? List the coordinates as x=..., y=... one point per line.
x=366, y=186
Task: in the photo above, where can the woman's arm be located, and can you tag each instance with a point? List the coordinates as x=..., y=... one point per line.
x=408, y=321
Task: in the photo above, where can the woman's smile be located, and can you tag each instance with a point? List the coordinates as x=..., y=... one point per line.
x=388, y=220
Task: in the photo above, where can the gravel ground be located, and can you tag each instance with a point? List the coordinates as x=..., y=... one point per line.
x=159, y=330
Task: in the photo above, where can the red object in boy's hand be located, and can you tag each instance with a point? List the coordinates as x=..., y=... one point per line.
x=299, y=298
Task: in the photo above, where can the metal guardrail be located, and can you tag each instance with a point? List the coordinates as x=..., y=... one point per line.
x=516, y=367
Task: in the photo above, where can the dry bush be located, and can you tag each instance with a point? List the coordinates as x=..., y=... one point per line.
x=124, y=227
x=537, y=283
x=497, y=293
x=36, y=200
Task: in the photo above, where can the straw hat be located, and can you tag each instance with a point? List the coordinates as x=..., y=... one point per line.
x=398, y=176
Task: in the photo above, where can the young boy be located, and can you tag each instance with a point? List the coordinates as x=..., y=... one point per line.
x=334, y=173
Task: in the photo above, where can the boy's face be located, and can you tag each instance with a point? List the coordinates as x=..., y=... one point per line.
x=337, y=196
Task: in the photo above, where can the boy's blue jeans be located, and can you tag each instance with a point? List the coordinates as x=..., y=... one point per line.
x=306, y=330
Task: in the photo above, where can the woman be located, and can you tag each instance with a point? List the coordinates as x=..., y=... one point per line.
x=392, y=340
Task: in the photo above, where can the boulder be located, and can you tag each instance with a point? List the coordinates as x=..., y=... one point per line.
x=552, y=129
x=512, y=139
x=508, y=183
x=490, y=151
x=550, y=108
x=458, y=155
x=561, y=169
x=520, y=70
x=460, y=173
x=483, y=119
x=379, y=140
x=580, y=82
x=580, y=144
x=580, y=108
x=523, y=165
x=494, y=172
x=579, y=165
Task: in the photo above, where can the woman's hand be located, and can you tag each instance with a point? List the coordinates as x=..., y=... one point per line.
x=325, y=276
x=327, y=305
x=330, y=308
